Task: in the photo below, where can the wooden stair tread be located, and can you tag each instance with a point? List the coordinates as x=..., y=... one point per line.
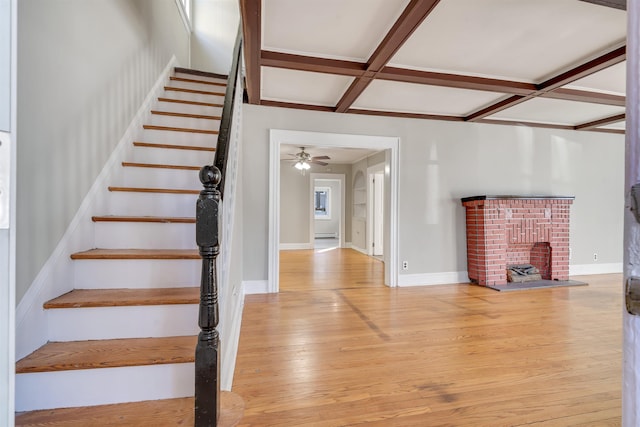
x=195, y=91
x=200, y=73
x=173, y=147
x=161, y=166
x=177, y=129
x=137, y=254
x=155, y=190
x=73, y=355
x=186, y=115
x=204, y=82
x=161, y=219
x=181, y=101
x=166, y=412
x=125, y=297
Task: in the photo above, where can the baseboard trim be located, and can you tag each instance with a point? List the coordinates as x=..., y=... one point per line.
x=56, y=275
x=588, y=269
x=427, y=279
x=295, y=246
x=251, y=287
x=356, y=248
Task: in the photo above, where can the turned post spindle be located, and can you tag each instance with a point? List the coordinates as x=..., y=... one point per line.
x=207, y=357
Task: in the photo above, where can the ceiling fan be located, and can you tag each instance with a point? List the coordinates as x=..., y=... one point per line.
x=302, y=160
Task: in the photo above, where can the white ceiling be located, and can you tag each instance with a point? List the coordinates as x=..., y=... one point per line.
x=515, y=41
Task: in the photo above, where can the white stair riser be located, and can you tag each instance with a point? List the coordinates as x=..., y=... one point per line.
x=136, y=273
x=183, y=122
x=88, y=387
x=178, y=138
x=171, y=156
x=187, y=108
x=151, y=204
x=196, y=97
x=145, y=235
x=135, y=176
x=79, y=324
x=197, y=86
x=196, y=77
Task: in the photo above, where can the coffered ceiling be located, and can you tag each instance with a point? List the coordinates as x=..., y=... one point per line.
x=545, y=63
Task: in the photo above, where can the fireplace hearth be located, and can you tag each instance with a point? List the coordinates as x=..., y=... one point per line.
x=503, y=231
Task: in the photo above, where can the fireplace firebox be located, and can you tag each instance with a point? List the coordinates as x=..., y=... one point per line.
x=515, y=230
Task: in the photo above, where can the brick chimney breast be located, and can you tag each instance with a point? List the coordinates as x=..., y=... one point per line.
x=507, y=230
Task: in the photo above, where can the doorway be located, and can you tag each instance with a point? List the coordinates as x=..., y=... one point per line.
x=389, y=145
x=328, y=211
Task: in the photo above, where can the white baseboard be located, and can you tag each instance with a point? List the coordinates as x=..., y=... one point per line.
x=255, y=287
x=295, y=246
x=587, y=269
x=56, y=276
x=356, y=248
x=425, y=279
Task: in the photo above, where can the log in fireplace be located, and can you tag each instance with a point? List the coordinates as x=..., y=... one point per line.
x=516, y=230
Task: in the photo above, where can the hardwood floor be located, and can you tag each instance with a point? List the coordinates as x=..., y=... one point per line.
x=337, y=348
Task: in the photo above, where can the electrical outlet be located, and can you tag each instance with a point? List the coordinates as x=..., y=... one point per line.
x=595, y=257
x=405, y=265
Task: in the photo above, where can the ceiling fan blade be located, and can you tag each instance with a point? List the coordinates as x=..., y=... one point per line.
x=321, y=158
x=318, y=162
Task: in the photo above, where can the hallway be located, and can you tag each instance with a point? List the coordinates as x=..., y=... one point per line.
x=337, y=348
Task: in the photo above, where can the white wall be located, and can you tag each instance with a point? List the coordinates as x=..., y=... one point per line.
x=440, y=162
x=295, y=200
x=215, y=25
x=84, y=68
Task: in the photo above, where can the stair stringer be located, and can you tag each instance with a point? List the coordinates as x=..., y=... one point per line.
x=56, y=277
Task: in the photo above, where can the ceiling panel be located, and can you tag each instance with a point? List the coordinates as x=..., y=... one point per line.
x=339, y=29
x=524, y=40
x=610, y=80
x=415, y=98
x=302, y=87
x=556, y=111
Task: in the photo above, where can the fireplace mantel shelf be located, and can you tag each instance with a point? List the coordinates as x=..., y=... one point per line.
x=512, y=197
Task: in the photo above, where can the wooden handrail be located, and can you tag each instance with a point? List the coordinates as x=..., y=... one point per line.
x=207, y=354
x=226, y=123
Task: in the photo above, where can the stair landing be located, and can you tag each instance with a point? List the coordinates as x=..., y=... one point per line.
x=168, y=412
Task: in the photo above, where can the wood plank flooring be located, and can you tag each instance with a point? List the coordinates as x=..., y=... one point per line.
x=337, y=348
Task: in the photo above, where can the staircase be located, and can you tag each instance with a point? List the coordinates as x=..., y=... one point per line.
x=128, y=330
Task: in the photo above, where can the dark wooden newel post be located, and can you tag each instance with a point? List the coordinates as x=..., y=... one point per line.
x=207, y=390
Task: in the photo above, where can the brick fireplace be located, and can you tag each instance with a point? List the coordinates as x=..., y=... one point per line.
x=507, y=230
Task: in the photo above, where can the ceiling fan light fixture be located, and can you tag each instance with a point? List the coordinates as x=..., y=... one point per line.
x=302, y=165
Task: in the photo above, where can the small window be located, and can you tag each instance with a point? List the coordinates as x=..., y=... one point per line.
x=322, y=202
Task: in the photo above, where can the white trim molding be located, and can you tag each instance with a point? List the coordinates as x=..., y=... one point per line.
x=251, y=287
x=295, y=246
x=428, y=279
x=587, y=269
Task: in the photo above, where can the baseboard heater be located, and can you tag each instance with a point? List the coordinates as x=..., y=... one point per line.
x=333, y=235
